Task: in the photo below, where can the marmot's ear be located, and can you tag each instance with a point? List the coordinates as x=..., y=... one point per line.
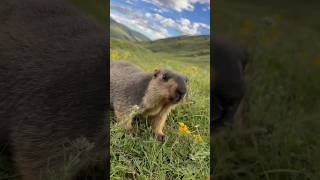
x=156, y=72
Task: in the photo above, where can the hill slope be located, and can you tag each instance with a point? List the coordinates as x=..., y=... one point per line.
x=183, y=49
x=182, y=45
x=120, y=31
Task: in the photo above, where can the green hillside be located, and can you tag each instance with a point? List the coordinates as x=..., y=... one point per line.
x=192, y=50
x=182, y=47
x=181, y=44
x=120, y=31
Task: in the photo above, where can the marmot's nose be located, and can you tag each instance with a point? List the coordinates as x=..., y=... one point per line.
x=180, y=94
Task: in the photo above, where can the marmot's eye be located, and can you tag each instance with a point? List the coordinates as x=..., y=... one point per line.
x=164, y=77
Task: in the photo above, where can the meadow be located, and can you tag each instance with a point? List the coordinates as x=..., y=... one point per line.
x=277, y=137
x=185, y=153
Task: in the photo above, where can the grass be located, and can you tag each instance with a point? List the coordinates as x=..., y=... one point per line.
x=181, y=155
x=278, y=138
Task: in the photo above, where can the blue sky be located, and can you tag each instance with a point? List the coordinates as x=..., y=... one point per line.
x=159, y=19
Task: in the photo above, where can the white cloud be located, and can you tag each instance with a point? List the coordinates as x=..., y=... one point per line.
x=128, y=1
x=158, y=17
x=206, y=26
x=201, y=1
x=178, y=5
x=160, y=10
x=140, y=24
x=127, y=11
x=148, y=15
x=155, y=25
x=168, y=22
x=184, y=21
x=186, y=27
x=182, y=25
x=206, y=8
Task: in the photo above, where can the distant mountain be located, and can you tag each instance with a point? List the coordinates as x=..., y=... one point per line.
x=122, y=32
x=191, y=50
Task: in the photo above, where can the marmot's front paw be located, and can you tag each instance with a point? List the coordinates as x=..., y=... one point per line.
x=132, y=131
x=161, y=137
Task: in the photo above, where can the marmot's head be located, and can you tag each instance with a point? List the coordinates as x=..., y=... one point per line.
x=169, y=85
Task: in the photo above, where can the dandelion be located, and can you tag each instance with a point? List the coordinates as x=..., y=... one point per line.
x=183, y=128
x=114, y=54
x=198, y=137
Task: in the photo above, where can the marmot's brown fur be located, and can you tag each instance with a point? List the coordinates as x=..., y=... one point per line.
x=155, y=94
x=228, y=83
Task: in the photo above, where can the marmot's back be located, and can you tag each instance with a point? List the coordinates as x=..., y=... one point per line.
x=128, y=84
x=229, y=63
x=124, y=69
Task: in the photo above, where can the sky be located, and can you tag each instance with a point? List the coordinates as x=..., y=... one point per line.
x=158, y=19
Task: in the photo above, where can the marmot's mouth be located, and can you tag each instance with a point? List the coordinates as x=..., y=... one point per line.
x=176, y=98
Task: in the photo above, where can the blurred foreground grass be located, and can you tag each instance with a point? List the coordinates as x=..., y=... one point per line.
x=278, y=138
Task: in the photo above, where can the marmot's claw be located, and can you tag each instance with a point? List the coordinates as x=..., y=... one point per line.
x=132, y=131
x=161, y=138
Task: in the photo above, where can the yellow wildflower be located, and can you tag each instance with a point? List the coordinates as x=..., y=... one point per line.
x=317, y=61
x=183, y=128
x=114, y=55
x=247, y=26
x=197, y=137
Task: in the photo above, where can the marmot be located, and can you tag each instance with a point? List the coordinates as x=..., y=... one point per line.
x=155, y=94
x=228, y=64
x=53, y=83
